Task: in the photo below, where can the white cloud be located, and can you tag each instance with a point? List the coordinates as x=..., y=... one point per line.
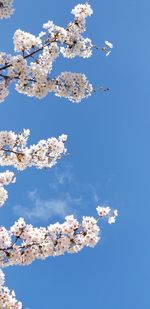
x=64, y=175
x=80, y=197
x=44, y=209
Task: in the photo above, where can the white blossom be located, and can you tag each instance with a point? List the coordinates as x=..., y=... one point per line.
x=3, y=90
x=107, y=48
x=23, y=243
x=25, y=41
x=7, y=297
x=6, y=8
x=6, y=178
x=82, y=10
x=31, y=69
x=3, y=196
x=5, y=238
x=103, y=211
x=77, y=47
x=73, y=86
x=107, y=212
x=108, y=44
x=108, y=53
x=4, y=58
x=14, y=152
x=112, y=217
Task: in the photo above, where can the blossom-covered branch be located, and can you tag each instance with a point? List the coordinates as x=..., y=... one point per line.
x=31, y=69
x=23, y=243
x=14, y=152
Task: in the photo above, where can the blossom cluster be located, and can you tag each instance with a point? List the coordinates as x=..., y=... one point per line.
x=6, y=8
x=31, y=68
x=5, y=179
x=7, y=297
x=23, y=243
x=14, y=151
x=104, y=211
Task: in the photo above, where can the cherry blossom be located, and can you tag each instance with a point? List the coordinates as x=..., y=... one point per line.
x=31, y=69
x=6, y=8
x=3, y=196
x=23, y=243
x=81, y=11
x=104, y=211
x=7, y=297
x=5, y=179
x=14, y=151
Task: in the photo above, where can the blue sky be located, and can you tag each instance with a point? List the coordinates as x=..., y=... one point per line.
x=108, y=161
